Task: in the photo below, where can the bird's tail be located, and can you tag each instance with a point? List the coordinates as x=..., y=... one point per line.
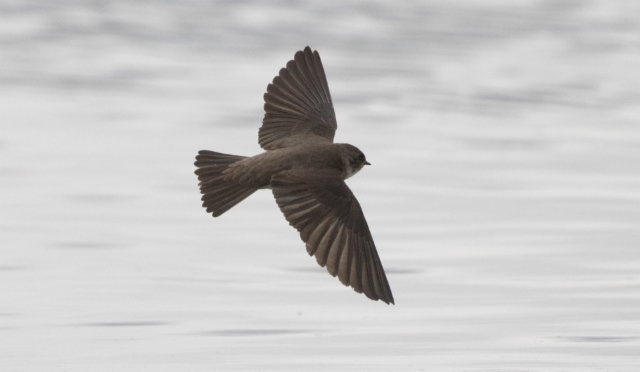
x=219, y=195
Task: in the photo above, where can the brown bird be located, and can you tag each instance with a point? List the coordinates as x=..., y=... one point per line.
x=306, y=172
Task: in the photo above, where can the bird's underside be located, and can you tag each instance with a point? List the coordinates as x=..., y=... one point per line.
x=306, y=173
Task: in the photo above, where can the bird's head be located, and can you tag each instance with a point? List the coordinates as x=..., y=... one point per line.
x=353, y=160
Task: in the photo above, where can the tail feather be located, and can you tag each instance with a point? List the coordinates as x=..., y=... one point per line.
x=219, y=195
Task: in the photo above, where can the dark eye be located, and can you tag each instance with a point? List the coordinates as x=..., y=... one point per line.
x=361, y=157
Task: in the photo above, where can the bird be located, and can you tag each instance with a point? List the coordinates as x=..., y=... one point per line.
x=306, y=172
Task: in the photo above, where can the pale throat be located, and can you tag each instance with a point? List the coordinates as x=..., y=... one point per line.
x=352, y=171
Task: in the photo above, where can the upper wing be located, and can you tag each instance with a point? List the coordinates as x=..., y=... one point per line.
x=331, y=223
x=298, y=104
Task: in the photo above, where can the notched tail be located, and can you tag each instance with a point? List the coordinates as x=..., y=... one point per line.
x=219, y=195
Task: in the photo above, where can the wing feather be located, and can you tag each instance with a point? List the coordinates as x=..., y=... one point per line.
x=322, y=78
x=354, y=277
x=331, y=223
x=335, y=250
x=281, y=87
x=345, y=262
x=298, y=104
x=305, y=75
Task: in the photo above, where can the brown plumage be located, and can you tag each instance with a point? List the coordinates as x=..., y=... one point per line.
x=306, y=172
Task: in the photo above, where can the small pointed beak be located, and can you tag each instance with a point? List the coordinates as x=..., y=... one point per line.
x=367, y=163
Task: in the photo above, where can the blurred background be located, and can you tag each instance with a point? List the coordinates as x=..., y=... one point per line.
x=504, y=195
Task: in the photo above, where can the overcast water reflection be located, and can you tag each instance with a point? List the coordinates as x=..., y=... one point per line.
x=504, y=195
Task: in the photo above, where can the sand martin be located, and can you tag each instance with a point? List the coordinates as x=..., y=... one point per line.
x=306, y=172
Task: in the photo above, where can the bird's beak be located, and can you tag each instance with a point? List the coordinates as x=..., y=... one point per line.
x=367, y=163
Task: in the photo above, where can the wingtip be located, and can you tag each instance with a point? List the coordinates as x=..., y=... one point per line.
x=391, y=302
x=388, y=301
x=308, y=51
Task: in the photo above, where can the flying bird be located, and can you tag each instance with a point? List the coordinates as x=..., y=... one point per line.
x=306, y=172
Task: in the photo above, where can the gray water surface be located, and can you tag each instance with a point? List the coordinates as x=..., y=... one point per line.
x=504, y=196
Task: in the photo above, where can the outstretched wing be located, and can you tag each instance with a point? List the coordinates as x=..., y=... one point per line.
x=331, y=223
x=298, y=104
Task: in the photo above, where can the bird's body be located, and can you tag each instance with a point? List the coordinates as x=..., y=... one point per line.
x=306, y=172
x=258, y=170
